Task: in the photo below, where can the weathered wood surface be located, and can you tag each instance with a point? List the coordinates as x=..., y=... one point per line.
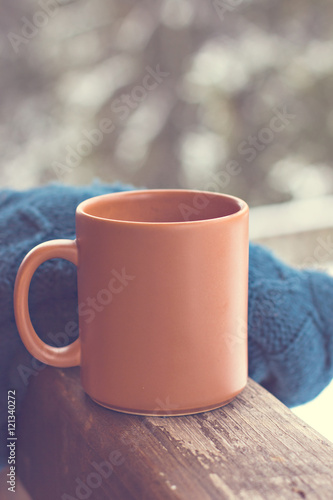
x=254, y=448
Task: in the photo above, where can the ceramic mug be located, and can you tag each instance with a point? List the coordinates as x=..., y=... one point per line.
x=162, y=300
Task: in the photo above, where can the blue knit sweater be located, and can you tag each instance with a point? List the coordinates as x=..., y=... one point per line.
x=290, y=311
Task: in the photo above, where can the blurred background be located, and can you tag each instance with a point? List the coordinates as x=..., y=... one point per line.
x=226, y=95
x=227, y=67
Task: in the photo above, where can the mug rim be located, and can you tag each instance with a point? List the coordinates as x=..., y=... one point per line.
x=83, y=206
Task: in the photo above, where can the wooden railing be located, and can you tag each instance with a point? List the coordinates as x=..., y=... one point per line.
x=253, y=448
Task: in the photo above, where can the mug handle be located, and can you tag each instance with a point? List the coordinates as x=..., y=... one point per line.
x=55, y=356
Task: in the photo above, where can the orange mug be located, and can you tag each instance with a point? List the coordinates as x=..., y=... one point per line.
x=162, y=300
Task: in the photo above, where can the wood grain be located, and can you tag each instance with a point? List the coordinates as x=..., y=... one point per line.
x=254, y=448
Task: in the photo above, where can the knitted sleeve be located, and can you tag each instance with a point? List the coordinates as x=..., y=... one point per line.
x=290, y=328
x=290, y=311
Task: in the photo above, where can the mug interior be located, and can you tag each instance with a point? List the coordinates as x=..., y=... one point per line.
x=162, y=206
